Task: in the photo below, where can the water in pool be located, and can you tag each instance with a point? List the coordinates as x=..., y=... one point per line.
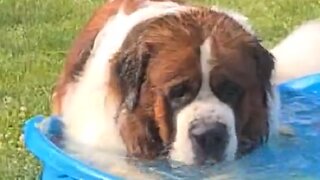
x=295, y=157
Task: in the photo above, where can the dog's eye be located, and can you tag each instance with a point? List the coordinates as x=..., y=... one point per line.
x=228, y=91
x=178, y=91
x=179, y=95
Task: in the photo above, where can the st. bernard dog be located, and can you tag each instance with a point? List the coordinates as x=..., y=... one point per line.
x=153, y=79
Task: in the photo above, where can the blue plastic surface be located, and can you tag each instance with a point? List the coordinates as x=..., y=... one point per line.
x=58, y=165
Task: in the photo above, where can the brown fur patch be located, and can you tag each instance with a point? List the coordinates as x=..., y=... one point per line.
x=82, y=45
x=162, y=117
x=241, y=58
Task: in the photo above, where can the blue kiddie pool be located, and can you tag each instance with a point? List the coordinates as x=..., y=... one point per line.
x=296, y=157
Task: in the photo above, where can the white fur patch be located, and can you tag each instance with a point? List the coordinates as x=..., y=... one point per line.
x=205, y=106
x=87, y=111
x=299, y=53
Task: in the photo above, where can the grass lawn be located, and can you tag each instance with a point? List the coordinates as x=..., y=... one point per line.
x=34, y=37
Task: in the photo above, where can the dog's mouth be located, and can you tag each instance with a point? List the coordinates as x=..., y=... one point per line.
x=202, y=157
x=208, y=155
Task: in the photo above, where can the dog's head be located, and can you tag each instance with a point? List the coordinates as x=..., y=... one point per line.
x=193, y=86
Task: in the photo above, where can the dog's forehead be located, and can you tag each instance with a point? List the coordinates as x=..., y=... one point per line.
x=177, y=39
x=174, y=41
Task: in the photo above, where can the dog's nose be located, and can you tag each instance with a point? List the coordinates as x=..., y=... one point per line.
x=209, y=140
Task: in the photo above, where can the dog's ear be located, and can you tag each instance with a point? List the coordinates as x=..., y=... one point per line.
x=130, y=69
x=265, y=65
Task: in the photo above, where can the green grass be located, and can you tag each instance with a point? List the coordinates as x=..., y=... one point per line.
x=34, y=37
